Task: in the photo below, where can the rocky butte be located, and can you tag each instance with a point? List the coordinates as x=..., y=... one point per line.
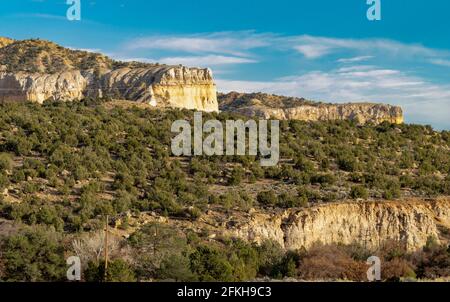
x=290, y=108
x=37, y=70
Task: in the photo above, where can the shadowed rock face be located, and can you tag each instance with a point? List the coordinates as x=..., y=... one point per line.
x=288, y=108
x=51, y=72
x=369, y=223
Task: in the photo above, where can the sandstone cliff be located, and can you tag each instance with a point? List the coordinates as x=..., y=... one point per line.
x=160, y=85
x=36, y=71
x=369, y=223
x=175, y=87
x=288, y=108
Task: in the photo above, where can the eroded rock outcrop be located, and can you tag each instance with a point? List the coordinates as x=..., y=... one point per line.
x=288, y=108
x=160, y=85
x=36, y=87
x=368, y=223
x=175, y=87
x=35, y=70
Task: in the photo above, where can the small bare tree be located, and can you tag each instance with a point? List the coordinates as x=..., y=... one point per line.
x=90, y=247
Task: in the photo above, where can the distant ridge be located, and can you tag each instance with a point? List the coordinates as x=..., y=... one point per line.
x=267, y=106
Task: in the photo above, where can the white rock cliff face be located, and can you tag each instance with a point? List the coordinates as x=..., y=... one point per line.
x=161, y=86
x=268, y=106
x=22, y=86
x=360, y=112
x=368, y=223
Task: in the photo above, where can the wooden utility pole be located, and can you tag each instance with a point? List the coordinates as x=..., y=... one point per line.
x=106, y=247
x=366, y=239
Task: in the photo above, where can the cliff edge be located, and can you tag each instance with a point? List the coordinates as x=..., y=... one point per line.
x=37, y=70
x=268, y=106
x=368, y=223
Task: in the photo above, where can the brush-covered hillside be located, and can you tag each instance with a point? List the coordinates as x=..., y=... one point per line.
x=65, y=166
x=41, y=56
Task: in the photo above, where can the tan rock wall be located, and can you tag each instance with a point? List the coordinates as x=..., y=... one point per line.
x=369, y=223
x=362, y=113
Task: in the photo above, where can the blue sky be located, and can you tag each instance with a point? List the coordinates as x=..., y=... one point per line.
x=324, y=50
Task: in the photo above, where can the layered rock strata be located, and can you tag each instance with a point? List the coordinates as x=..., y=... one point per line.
x=159, y=85
x=287, y=108
x=367, y=223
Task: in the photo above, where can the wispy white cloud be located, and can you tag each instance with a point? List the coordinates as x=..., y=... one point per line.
x=326, y=46
x=246, y=43
x=49, y=17
x=356, y=68
x=312, y=51
x=205, y=61
x=231, y=43
x=40, y=16
x=440, y=62
x=354, y=59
